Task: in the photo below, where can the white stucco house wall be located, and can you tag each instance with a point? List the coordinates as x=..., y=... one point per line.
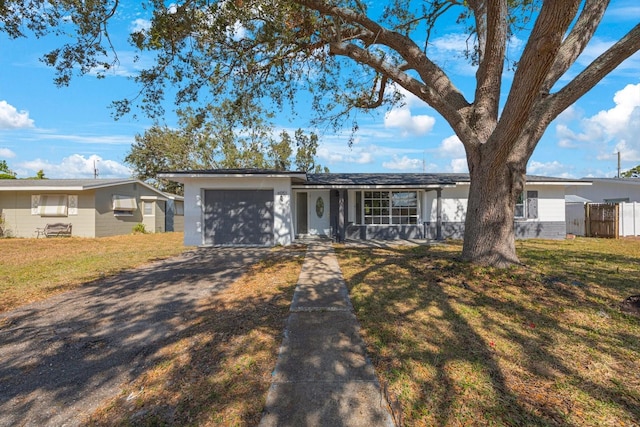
x=608, y=190
x=624, y=192
x=250, y=207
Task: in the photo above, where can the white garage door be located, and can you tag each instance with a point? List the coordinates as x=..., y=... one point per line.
x=238, y=217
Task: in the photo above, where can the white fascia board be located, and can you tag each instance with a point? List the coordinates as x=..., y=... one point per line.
x=153, y=198
x=110, y=184
x=48, y=188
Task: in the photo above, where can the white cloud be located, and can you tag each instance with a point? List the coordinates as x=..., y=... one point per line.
x=618, y=120
x=401, y=118
x=11, y=118
x=128, y=64
x=459, y=166
x=623, y=13
x=76, y=166
x=608, y=131
x=554, y=168
x=237, y=32
x=449, y=51
x=455, y=42
x=6, y=153
x=451, y=147
x=43, y=134
x=403, y=164
x=598, y=46
x=140, y=25
x=341, y=153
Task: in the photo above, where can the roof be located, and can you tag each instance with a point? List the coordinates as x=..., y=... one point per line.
x=69, y=184
x=346, y=180
x=180, y=176
x=60, y=184
x=624, y=181
x=424, y=180
x=382, y=179
x=572, y=198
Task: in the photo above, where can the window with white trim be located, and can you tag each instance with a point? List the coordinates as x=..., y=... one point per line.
x=51, y=205
x=148, y=207
x=389, y=207
x=527, y=208
x=124, y=205
x=179, y=206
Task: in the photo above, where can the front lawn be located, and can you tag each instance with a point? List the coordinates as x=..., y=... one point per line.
x=34, y=269
x=544, y=344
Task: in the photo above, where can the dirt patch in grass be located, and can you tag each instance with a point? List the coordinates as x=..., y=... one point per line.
x=219, y=370
x=35, y=269
x=543, y=344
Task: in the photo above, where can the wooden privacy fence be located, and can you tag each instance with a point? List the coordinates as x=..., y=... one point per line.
x=602, y=220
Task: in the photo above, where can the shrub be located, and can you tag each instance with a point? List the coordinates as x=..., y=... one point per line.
x=139, y=228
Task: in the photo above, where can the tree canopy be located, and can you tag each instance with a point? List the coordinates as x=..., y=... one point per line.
x=351, y=56
x=5, y=172
x=216, y=143
x=632, y=173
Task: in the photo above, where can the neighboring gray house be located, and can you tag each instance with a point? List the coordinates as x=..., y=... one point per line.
x=264, y=207
x=94, y=207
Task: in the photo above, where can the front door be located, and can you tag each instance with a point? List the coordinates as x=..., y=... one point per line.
x=319, y=213
x=302, y=214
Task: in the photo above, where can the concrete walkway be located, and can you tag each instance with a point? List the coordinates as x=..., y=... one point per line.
x=323, y=376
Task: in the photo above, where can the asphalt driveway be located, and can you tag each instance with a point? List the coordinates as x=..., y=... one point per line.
x=61, y=358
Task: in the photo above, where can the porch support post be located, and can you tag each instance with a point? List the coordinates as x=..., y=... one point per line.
x=341, y=222
x=439, y=214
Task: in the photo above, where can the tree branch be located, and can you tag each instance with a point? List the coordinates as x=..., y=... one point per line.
x=437, y=90
x=576, y=41
x=489, y=75
x=595, y=72
x=425, y=92
x=536, y=61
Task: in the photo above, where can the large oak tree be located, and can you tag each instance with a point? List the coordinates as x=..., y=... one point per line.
x=352, y=56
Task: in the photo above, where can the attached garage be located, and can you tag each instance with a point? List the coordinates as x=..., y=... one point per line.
x=239, y=217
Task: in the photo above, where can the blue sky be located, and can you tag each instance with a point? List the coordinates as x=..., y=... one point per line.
x=65, y=131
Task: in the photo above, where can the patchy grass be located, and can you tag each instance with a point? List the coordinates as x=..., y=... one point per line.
x=544, y=344
x=34, y=269
x=219, y=370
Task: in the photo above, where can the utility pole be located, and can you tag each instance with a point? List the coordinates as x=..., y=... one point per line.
x=95, y=171
x=618, y=164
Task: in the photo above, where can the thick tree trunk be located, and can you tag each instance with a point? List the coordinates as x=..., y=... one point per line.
x=489, y=237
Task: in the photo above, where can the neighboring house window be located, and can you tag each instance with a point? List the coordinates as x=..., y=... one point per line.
x=148, y=208
x=390, y=207
x=527, y=208
x=124, y=205
x=52, y=205
x=179, y=207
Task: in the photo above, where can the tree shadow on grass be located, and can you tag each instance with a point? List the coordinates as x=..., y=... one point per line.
x=462, y=344
x=63, y=357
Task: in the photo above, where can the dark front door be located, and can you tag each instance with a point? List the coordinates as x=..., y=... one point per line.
x=302, y=214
